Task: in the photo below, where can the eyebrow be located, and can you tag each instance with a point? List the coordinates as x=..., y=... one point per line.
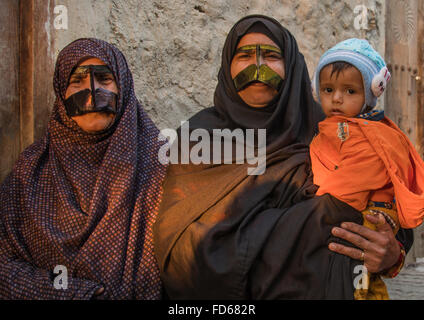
x=79, y=75
x=344, y=84
x=97, y=69
x=82, y=72
x=263, y=47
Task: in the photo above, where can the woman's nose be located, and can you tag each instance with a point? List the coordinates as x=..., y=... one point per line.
x=96, y=84
x=260, y=60
x=87, y=85
x=87, y=82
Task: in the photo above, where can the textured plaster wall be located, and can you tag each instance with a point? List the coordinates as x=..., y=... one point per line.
x=174, y=47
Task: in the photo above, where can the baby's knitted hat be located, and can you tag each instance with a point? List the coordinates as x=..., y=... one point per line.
x=360, y=54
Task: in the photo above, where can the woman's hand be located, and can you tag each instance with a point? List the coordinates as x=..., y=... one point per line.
x=378, y=249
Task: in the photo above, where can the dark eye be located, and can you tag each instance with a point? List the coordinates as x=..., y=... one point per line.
x=104, y=78
x=244, y=55
x=350, y=91
x=74, y=81
x=328, y=90
x=273, y=55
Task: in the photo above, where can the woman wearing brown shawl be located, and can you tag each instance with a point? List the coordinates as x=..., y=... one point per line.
x=224, y=234
x=86, y=195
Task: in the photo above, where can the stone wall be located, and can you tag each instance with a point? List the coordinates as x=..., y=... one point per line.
x=174, y=47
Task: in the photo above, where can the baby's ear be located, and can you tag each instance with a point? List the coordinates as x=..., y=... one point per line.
x=379, y=82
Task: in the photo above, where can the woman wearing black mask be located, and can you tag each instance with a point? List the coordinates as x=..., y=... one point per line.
x=77, y=209
x=224, y=234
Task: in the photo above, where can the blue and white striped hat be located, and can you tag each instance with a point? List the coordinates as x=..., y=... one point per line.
x=360, y=54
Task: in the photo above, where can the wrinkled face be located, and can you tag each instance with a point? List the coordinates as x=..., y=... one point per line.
x=257, y=94
x=341, y=94
x=95, y=121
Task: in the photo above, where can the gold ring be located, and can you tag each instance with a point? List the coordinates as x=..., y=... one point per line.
x=362, y=258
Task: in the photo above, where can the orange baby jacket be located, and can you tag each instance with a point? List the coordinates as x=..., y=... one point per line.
x=357, y=160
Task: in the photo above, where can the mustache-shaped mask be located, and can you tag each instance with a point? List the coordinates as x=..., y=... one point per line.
x=257, y=72
x=102, y=100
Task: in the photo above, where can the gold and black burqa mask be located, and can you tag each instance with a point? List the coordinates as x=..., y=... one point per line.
x=257, y=72
x=101, y=100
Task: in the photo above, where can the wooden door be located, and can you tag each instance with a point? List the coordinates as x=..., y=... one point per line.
x=9, y=89
x=404, y=94
x=26, y=93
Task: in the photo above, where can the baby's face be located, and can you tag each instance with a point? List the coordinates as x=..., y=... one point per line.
x=341, y=94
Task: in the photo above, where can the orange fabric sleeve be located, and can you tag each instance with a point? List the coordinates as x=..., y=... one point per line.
x=348, y=170
x=374, y=155
x=405, y=167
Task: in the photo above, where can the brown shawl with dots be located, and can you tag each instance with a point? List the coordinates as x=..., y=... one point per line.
x=84, y=201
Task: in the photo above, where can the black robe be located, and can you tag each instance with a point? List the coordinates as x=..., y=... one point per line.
x=224, y=234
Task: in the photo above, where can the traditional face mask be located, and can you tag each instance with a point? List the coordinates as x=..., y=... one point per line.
x=102, y=100
x=257, y=72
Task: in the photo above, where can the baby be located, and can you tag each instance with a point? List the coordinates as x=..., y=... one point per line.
x=360, y=156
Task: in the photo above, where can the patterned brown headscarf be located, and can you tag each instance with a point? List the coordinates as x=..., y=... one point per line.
x=84, y=201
